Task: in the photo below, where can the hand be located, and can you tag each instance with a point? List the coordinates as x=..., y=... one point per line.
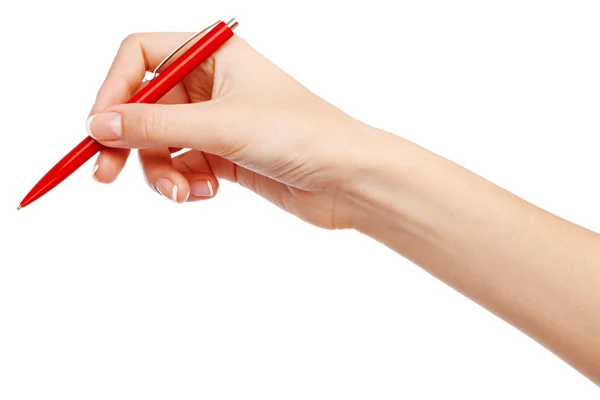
x=249, y=122
x=244, y=120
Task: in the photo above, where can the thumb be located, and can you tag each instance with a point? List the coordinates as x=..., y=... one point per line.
x=194, y=126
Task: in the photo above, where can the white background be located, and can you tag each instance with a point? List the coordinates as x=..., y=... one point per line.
x=112, y=292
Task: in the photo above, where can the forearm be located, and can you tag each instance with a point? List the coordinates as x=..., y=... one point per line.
x=533, y=269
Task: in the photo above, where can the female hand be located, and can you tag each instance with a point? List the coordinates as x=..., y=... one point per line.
x=249, y=122
x=244, y=119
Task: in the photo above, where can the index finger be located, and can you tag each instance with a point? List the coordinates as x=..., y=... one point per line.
x=138, y=53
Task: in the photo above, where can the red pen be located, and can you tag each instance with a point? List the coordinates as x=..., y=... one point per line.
x=151, y=93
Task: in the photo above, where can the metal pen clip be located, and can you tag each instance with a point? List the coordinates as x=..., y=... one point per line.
x=231, y=24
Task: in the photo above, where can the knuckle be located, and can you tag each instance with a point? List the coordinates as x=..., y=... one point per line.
x=153, y=125
x=131, y=39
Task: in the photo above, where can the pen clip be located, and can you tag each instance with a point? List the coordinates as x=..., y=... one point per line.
x=163, y=62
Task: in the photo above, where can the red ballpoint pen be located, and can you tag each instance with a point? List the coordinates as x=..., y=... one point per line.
x=151, y=93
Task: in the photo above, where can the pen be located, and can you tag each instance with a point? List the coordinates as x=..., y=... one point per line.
x=159, y=85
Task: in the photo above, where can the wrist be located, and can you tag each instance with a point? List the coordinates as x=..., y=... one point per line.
x=379, y=185
x=373, y=174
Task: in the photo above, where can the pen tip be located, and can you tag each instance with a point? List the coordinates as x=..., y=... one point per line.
x=18, y=208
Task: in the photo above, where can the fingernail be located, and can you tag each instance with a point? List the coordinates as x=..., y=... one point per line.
x=104, y=126
x=174, y=195
x=96, y=166
x=202, y=189
x=168, y=189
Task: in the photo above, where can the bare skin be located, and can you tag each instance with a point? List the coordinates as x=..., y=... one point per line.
x=249, y=122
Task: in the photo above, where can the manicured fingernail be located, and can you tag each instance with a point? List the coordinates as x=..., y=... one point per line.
x=170, y=191
x=96, y=166
x=166, y=188
x=104, y=126
x=174, y=195
x=202, y=189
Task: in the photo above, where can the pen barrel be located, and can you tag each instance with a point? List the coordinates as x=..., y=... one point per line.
x=185, y=64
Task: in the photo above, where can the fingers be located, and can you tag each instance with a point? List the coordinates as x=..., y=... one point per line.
x=111, y=161
x=201, y=170
x=160, y=175
x=202, y=181
x=203, y=126
x=187, y=177
x=109, y=164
